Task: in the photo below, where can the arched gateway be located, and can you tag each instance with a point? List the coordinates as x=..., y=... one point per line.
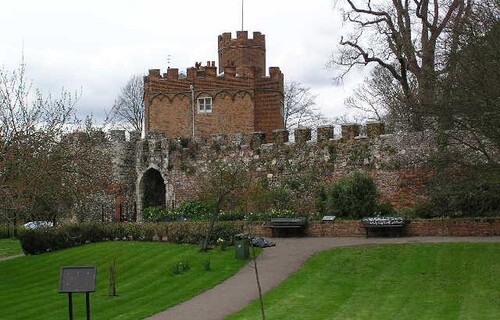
x=152, y=191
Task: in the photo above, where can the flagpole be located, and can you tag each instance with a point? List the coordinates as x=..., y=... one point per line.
x=242, y=1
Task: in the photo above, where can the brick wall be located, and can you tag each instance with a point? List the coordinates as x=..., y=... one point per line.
x=417, y=228
x=239, y=104
x=242, y=51
x=268, y=106
x=244, y=99
x=455, y=227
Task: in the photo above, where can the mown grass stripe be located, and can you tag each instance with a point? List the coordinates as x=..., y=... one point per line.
x=418, y=281
x=29, y=285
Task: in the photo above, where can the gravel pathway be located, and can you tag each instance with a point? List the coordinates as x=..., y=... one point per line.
x=275, y=265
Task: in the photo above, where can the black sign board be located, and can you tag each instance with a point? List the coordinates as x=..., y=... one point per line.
x=77, y=279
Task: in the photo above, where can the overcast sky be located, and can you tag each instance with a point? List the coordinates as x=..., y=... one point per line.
x=96, y=46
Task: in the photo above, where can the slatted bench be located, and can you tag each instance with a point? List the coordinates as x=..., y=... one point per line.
x=287, y=226
x=385, y=226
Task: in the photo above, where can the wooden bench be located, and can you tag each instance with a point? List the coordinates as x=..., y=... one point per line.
x=296, y=226
x=385, y=226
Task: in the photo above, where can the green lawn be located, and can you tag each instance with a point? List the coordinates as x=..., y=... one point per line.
x=146, y=284
x=9, y=247
x=441, y=281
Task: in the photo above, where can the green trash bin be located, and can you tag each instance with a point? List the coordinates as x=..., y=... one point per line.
x=242, y=247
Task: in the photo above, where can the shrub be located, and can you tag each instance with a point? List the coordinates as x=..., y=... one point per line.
x=180, y=267
x=466, y=196
x=191, y=209
x=273, y=214
x=354, y=196
x=155, y=214
x=188, y=210
x=455, y=192
x=231, y=216
x=385, y=209
x=50, y=239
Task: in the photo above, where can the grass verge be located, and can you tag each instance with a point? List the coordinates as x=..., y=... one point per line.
x=147, y=280
x=10, y=247
x=438, y=281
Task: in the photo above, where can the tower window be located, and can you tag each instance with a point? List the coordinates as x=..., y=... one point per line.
x=205, y=105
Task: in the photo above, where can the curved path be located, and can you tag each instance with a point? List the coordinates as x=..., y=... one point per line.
x=11, y=257
x=275, y=265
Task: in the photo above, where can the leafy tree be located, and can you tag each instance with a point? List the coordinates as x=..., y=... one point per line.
x=128, y=109
x=462, y=193
x=469, y=113
x=468, y=123
x=30, y=126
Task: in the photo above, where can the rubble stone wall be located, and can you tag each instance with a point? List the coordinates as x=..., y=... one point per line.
x=397, y=162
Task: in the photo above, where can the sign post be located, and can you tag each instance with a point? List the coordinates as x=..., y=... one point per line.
x=78, y=280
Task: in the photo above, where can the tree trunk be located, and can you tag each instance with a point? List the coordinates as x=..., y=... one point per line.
x=215, y=216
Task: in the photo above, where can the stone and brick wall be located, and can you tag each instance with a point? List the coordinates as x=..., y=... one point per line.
x=396, y=162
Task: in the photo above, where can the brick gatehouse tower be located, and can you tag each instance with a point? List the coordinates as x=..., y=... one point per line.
x=237, y=98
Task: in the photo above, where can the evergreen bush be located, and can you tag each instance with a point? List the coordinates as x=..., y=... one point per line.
x=353, y=196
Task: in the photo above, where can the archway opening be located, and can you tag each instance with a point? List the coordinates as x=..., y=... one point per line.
x=154, y=189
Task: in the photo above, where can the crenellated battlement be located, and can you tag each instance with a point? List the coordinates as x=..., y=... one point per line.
x=209, y=71
x=159, y=143
x=349, y=133
x=120, y=136
x=180, y=161
x=242, y=52
x=242, y=39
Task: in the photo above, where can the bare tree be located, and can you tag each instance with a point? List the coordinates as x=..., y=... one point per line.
x=378, y=98
x=300, y=107
x=128, y=108
x=30, y=125
x=24, y=113
x=411, y=39
x=223, y=178
x=43, y=167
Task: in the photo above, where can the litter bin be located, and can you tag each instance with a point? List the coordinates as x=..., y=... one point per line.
x=242, y=249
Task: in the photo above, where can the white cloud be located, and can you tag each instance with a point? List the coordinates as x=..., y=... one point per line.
x=96, y=46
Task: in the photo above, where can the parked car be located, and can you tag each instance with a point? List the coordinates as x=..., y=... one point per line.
x=38, y=224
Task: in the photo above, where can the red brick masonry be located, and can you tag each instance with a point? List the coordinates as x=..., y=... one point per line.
x=478, y=227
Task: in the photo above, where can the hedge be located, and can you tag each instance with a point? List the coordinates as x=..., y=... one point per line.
x=50, y=239
x=7, y=231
